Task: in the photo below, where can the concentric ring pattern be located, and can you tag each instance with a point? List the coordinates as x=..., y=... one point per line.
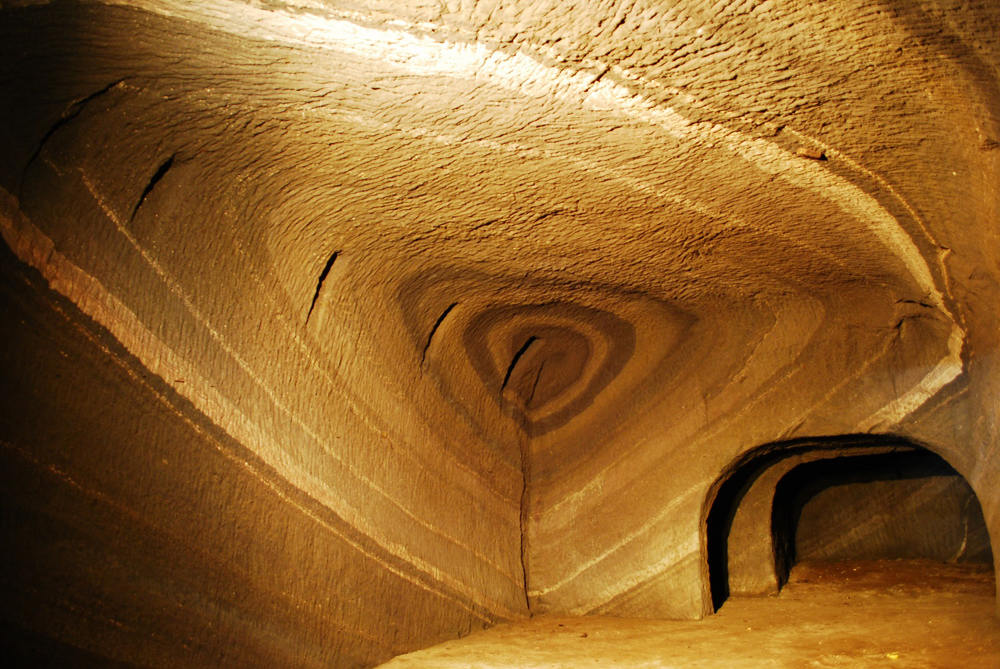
x=450, y=313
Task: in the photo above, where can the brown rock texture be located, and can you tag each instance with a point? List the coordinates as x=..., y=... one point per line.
x=863, y=615
x=869, y=516
x=335, y=329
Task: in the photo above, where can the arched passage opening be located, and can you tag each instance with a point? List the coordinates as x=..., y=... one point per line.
x=854, y=498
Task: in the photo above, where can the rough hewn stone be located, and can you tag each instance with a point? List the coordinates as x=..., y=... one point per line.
x=502, y=291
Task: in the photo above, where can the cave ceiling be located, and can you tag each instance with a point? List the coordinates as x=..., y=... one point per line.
x=563, y=261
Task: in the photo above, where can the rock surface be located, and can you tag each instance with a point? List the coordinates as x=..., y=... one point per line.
x=863, y=615
x=936, y=517
x=473, y=305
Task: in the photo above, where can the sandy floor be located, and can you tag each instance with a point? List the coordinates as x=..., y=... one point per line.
x=854, y=615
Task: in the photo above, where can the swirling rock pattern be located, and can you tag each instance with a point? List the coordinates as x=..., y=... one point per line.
x=483, y=299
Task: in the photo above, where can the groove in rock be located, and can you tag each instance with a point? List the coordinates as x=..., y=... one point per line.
x=524, y=516
x=71, y=113
x=319, y=284
x=534, y=386
x=160, y=172
x=513, y=362
x=437, y=324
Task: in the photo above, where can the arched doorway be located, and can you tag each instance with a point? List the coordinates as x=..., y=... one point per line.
x=848, y=498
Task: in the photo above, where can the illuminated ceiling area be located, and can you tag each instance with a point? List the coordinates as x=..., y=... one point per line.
x=333, y=330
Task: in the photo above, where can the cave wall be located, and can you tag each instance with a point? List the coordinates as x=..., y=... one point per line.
x=153, y=209
x=138, y=533
x=931, y=517
x=504, y=290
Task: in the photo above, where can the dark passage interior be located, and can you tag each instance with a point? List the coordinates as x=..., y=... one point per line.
x=900, y=506
x=849, y=499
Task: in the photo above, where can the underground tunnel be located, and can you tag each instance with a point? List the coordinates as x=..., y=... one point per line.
x=853, y=498
x=499, y=333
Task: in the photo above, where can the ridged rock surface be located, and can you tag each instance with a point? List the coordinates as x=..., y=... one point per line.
x=335, y=329
x=936, y=517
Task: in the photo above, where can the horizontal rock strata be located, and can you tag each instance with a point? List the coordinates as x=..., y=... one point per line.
x=467, y=309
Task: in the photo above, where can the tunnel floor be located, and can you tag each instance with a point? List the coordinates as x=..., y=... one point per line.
x=912, y=614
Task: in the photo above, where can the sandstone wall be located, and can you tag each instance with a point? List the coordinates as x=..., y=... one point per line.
x=503, y=290
x=933, y=517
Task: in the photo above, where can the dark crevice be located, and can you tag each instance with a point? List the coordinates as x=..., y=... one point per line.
x=319, y=284
x=513, y=362
x=437, y=324
x=525, y=516
x=160, y=172
x=71, y=113
x=526, y=476
x=534, y=386
x=547, y=214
